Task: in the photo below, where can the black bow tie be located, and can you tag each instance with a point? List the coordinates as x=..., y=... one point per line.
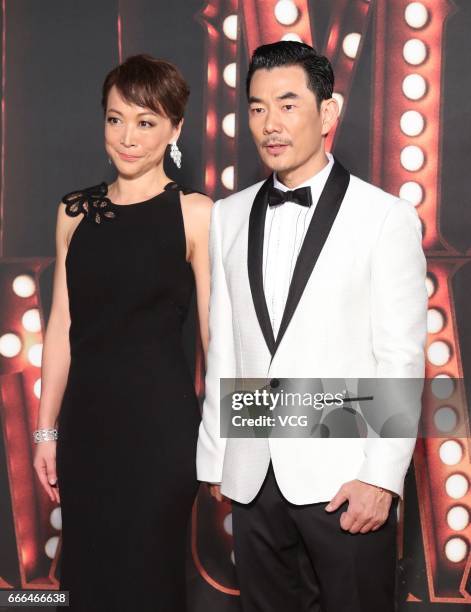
x=302, y=196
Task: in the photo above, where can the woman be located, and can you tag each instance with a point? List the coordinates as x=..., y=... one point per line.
x=116, y=384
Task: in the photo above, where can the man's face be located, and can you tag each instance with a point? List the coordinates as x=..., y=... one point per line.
x=284, y=119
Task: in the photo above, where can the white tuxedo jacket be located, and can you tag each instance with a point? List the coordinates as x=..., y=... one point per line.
x=356, y=307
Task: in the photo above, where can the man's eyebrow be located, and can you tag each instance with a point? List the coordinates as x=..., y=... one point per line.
x=253, y=100
x=112, y=110
x=289, y=95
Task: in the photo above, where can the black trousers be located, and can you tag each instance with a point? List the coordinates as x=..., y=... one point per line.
x=293, y=558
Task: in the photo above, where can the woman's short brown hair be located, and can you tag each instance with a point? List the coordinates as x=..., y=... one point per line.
x=147, y=81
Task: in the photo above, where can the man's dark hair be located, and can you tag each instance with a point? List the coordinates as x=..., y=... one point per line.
x=319, y=73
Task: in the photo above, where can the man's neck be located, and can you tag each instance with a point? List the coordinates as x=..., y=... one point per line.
x=293, y=178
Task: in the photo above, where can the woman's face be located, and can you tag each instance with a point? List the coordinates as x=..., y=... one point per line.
x=135, y=136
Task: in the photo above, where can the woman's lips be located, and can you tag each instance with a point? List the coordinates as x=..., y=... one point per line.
x=127, y=157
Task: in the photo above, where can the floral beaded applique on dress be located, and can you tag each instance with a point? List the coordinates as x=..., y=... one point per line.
x=95, y=205
x=92, y=202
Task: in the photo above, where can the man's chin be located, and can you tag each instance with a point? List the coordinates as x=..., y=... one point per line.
x=275, y=163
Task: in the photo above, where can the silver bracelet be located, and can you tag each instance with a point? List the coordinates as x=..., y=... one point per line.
x=43, y=435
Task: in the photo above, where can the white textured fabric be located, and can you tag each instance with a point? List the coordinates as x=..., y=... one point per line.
x=285, y=229
x=362, y=314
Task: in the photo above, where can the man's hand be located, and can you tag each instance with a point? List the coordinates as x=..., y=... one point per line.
x=368, y=506
x=215, y=490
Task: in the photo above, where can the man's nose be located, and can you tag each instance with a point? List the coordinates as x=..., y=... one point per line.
x=272, y=124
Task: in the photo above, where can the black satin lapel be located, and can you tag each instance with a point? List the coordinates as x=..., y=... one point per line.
x=255, y=261
x=322, y=220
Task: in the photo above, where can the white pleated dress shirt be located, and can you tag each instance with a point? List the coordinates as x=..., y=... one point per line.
x=285, y=229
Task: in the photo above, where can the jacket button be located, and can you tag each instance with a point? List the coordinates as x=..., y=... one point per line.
x=274, y=383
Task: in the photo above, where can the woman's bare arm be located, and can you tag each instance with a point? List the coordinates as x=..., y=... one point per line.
x=56, y=349
x=55, y=360
x=197, y=215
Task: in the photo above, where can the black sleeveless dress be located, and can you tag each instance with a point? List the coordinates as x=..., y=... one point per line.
x=129, y=418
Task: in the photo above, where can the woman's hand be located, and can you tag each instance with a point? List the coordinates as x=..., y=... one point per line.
x=215, y=491
x=45, y=466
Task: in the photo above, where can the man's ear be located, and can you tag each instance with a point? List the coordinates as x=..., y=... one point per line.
x=329, y=114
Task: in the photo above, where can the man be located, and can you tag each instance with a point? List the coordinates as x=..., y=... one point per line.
x=328, y=281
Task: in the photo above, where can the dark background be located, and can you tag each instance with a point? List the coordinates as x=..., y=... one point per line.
x=55, y=56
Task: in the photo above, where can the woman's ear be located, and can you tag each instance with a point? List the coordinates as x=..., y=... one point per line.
x=176, y=131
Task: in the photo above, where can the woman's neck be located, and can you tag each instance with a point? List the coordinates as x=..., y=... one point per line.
x=137, y=188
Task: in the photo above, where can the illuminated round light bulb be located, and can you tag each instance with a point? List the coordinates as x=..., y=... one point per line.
x=458, y=518
x=415, y=51
x=412, y=192
x=292, y=36
x=340, y=100
x=227, y=523
x=37, y=388
x=227, y=177
x=456, y=486
x=430, y=285
x=10, y=345
x=445, y=419
x=416, y=15
x=435, y=320
x=350, y=44
x=456, y=550
x=439, y=353
x=50, y=547
x=442, y=386
x=24, y=285
x=414, y=86
x=228, y=125
x=56, y=518
x=230, y=74
x=450, y=452
x=412, y=158
x=229, y=27
x=31, y=320
x=35, y=354
x=412, y=123
x=286, y=12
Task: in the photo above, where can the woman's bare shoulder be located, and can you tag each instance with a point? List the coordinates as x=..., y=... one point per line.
x=197, y=207
x=197, y=200
x=65, y=224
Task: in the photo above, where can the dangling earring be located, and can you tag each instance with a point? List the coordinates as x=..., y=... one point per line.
x=176, y=155
x=109, y=161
